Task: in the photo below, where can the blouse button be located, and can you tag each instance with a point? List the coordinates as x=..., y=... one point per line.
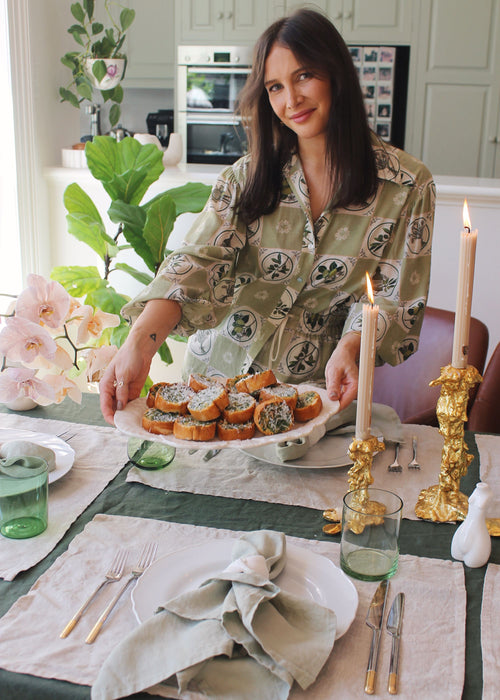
x=299, y=279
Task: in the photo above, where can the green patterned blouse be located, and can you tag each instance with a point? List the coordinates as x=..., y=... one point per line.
x=281, y=292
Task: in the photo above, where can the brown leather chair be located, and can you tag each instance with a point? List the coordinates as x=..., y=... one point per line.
x=484, y=415
x=406, y=388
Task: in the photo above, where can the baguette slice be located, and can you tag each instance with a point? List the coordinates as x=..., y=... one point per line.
x=240, y=409
x=283, y=391
x=150, y=399
x=198, y=382
x=207, y=404
x=273, y=416
x=188, y=428
x=255, y=382
x=235, y=431
x=308, y=406
x=231, y=381
x=174, y=398
x=155, y=421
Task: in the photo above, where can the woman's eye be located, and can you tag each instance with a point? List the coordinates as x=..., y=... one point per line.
x=305, y=75
x=274, y=88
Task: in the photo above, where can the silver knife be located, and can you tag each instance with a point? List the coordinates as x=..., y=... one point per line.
x=394, y=624
x=374, y=618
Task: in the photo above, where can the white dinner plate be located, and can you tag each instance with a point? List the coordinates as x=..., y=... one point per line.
x=65, y=455
x=129, y=421
x=329, y=452
x=306, y=575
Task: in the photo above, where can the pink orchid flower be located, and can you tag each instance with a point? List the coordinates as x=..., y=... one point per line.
x=112, y=70
x=22, y=341
x=43, y=302
x=97, y=360
x=93, y=323
x=23, y=382
x=62, y=387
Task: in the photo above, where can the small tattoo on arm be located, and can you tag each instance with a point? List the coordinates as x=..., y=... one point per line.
x=153, y=337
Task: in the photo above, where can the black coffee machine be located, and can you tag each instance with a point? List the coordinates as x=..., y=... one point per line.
x=161, y=124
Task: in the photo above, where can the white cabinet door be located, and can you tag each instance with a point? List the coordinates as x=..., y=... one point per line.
x=222, y=21
x=151, y=45
x=455, y=109
x=367, y=21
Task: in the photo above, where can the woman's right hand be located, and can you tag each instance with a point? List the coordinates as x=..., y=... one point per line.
x=127, y=372
x=123, y=380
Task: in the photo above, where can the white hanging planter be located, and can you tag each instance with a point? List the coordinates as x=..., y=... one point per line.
x=115, y=69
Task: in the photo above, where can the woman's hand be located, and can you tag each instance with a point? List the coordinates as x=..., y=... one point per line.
x=127, y=372
x=341, y=371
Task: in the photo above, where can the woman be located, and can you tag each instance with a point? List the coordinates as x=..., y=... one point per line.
x=272, y=273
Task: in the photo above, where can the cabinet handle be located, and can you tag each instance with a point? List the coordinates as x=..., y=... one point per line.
x=338, y=15
x=220, y=15
x=348, y=15
x=229, y=15
x=494, y=139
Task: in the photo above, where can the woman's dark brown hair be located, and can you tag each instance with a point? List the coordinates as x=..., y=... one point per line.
x=318, y=46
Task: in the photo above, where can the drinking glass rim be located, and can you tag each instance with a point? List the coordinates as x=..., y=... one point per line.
x=374, y=490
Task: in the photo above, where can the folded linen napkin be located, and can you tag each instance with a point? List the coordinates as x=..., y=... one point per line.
x=236, y=637
x=22, y=467
x=384, y=419
x=25, y=448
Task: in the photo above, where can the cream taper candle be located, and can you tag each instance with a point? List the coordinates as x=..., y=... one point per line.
x=466, y=262
x=366, y=365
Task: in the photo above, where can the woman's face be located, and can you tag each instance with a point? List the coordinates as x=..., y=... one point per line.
x=300, y=98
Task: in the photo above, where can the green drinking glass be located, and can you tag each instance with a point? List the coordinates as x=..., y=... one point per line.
x=23, y=497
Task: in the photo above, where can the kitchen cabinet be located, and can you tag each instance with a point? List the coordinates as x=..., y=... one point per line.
x=151, y=45
x=222, y=21
x=380, y=22
x=456, y=120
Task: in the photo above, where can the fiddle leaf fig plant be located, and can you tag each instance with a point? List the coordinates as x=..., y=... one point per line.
x=97, y=64
x=126, y=170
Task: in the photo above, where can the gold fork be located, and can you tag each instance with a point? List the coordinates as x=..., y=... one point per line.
x=114, y=573
x=146, y=558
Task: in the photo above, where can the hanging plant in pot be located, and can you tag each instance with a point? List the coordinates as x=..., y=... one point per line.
x=100, y=63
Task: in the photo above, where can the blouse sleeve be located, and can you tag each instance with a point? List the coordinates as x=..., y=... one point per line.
x=401, y=311
x=200, y=274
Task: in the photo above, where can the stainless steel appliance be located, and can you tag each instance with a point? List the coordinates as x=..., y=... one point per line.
x=209, y=79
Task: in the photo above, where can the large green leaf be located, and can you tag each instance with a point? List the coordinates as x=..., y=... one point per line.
x=159, y=224
x=68, y=96
x=133, y=219
x=141, y=277
x=78, y=281
x=165, y=354
x=107, y=299
x=77, y=12
x=126, y=168
x=84, y=221
x=126, y=18
x=119, y=334
x=190, y=197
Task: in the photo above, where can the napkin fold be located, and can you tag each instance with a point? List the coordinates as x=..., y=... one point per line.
x=236, y=637
x=25, y=448
x=385, y=421
x=22, y=467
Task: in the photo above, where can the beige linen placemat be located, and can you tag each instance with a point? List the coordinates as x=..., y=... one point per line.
x=489, y=469
x=434, y=614
x=490, y=635
x=100, y=453
x=234, y=474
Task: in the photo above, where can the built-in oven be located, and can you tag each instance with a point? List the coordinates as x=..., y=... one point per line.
x=209, y=79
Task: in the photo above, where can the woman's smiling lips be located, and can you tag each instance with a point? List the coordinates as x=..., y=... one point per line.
x=301, y=116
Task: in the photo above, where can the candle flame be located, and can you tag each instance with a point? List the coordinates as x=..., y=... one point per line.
x=369, y=289
x=466, y=216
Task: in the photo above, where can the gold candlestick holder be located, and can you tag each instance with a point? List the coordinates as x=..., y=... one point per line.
x=444, y=502
x=360, y=478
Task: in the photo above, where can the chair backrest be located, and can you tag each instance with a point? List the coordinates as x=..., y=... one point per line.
x=406, y=388
x=484, y=416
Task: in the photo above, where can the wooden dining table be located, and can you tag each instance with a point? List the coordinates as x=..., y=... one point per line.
x=121, y=498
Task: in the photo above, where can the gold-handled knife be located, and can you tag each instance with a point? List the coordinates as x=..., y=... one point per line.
x=394, y=624
x=374, y=618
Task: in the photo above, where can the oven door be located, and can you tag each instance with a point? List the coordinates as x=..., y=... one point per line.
x=210, y=88
x=214, y=138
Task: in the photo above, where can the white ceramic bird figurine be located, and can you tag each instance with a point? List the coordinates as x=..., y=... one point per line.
x=472, y=542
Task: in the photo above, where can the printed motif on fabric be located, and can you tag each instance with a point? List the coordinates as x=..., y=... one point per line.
x=386, y=279
x=419, y=237
x=277, y=265
x=329, y=271
x=242, y=326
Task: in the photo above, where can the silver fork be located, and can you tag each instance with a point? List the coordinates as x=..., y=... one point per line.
x=395, y=466
x=414, y=464
x=114, y=573
x=146, y=558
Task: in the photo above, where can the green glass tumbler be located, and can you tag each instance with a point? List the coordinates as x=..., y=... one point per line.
x=23, y=497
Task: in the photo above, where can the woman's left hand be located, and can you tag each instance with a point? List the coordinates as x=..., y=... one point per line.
x=341, y=371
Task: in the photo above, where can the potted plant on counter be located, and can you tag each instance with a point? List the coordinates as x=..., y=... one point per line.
x=100, y=62
x=126, y=170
